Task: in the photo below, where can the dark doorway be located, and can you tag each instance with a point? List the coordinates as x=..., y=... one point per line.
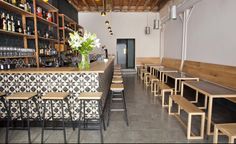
x=125, y=51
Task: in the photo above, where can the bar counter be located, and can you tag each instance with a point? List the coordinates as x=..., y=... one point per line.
x=61, y=79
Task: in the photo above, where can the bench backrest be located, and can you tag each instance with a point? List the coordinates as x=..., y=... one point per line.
x=220, y=74
x=171, y=63
x=147, y=60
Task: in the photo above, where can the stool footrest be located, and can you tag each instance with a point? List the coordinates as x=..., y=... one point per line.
x=117, y=110
x=117, y=99
x=18, y=128
x=53, y=128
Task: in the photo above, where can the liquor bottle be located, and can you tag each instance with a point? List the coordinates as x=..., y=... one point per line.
x=14, y=2
x=12, y=24
x=18, y=27
x=22, y=4
x=4, y=21
x=28, y=31
x=8, y=23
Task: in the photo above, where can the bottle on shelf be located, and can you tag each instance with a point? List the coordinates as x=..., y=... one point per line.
x=28, y=31
x=12, y=24
x=14, y=2
x=4, y=21
x=19, y=27
x=21, y=4
x=8, y=23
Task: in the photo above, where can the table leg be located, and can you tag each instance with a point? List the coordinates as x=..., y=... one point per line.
x=176, y=81
x=215, y=138
x=209, y=115
x=182, y=89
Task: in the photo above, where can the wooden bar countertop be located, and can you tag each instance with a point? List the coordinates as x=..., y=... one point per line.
x=95, y=67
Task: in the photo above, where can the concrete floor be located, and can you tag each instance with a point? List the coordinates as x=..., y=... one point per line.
x=149, y=123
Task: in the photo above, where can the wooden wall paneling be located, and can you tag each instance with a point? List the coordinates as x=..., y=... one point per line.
x=171, y=63
x=220, y=74
x=147, y=60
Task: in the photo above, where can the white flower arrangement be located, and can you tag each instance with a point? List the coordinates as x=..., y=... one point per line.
x=85, y=44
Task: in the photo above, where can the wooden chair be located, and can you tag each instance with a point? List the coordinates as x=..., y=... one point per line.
x=228, y=129
x=191, y=110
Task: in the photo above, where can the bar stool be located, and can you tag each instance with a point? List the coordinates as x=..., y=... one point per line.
x=117, y=76
x=117, y=80
x=91, y=96
x=21, y=97
x=117, y=90
x=56, y=96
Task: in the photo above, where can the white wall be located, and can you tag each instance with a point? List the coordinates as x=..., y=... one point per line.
x=211, y=33
x=124, y=25
x=173, y=39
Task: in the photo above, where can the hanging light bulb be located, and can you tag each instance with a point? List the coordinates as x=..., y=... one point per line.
x=107, y=22
x=156, y=24
x=173, y=13
x=103, y=13
x=110, y=31
x=109, y=28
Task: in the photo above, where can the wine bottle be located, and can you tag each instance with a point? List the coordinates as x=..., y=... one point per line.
x=28, y=31
x=12, y=24
x=13, y=2
x=22, y=4
x=18, y=27
x=8, y=23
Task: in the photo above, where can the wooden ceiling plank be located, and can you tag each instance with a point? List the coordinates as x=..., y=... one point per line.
x=129, y=4
x=154, y=5
x=121, y=4
x=161, y=4
x=145, y=4
x=86, y=4
x=137, y=5
x=95, y=4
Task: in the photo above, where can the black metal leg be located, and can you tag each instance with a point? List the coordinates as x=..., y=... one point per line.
x=69, y=109
x=63, y=121
x=126, y=116
x=100, y=119
x=109, y=108
x=44, y=110
x=52, y=114
x=8, y=120
x=84, y=112
x=28, y=120
x=37, y=107
x=21, y=114
x=80, y=114
x=103, y=116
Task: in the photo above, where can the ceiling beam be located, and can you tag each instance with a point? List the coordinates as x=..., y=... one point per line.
x=154, y=5
x=121, y=4
x=95, y=4
x=145, y=4
x=161, y=4
x=129, y=4
x=86, y=4
x=137, y=5
x=75, y=5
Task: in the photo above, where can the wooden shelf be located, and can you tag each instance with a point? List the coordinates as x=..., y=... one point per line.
x=46, y=5
x=12, y=57
x=48, y=39
x=66, y=18
x=14, y=9
x=17, y=34
x=43, y=20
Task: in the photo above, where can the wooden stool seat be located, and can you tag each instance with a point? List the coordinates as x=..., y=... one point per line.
x=117, y=76
x=2, y=94
x=90, y=95
x=21, y=96
x=164, y=86
x=228, y=129
x=55, y=96
x=117, y=80
x=117, y=87
x=117, y=73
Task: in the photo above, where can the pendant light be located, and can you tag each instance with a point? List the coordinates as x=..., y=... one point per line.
x=107, y=22
x=109, y=28
x=156, y=23
x=103, y=13
x=147, y=28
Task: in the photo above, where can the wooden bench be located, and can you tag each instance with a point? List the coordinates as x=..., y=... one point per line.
x=228, y=129
x=191, y=110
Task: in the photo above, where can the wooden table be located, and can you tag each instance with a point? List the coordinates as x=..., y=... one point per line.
x=211, y=91
x=154, y=67
x=161, y=70
x=178, y=77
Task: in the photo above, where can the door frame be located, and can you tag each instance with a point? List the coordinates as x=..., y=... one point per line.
x=127, y=51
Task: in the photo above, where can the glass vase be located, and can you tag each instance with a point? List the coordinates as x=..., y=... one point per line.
x=85, y=62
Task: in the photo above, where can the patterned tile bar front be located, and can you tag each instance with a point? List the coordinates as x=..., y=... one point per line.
x=74, y=83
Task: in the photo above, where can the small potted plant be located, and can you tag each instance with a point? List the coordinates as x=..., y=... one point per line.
x=84, y=45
